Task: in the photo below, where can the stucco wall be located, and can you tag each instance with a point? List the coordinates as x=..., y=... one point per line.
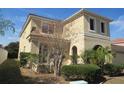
x=35, y=46
x=96, y=37
x=82, y=37
x=3, y=55
x=86, y=39
x=78, y=30
x=119, y=58
x=91, y=40
x=97, y=25
x=36, y=22
x=25, y=44
x=119, y=54
x=75, y=29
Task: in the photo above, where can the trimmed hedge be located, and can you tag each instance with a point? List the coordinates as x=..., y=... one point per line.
x=113, y=69
x=88, y=72
x=120, y=65
x=10, y=72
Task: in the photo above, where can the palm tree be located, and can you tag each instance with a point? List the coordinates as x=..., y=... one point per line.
x=88, y=56
x=100, y=56
x=103, y=56
x=6, y=25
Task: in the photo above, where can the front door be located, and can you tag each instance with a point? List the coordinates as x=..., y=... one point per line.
x=43, y=52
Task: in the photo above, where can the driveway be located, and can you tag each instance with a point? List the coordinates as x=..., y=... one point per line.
x=115, y=80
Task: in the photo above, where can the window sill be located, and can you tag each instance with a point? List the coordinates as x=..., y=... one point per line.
x=93, y=31
x=103, y=33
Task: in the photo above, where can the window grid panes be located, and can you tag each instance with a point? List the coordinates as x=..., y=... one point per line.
x=48, y=28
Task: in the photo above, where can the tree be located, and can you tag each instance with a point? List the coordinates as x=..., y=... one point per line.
x=57, y=51
x=59, y=45
x=6, y=25
x=12, y=49
x=89, y=56
x=100, y=56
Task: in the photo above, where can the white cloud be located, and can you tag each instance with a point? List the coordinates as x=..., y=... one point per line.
x=119, y=24
x=16, y=18
x=12, y=38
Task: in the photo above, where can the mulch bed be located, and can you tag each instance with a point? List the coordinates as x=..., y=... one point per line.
x=41, y=78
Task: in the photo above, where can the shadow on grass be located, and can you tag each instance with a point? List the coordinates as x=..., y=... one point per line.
x=10, y=73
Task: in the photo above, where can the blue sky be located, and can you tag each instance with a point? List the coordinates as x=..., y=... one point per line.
x=19, y=15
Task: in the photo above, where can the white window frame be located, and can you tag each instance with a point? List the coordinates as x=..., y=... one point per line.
x=94, y=24
x=101, y=21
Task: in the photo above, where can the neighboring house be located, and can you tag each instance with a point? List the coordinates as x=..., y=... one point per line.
x=3, y=54
x=87, y=31
x=118, y=49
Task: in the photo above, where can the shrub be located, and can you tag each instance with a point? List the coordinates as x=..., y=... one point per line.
x=10, y=72
x=113, y=69
x=88, y=72
x=24, y=58
x=12, y=49
x=98, y=56
x=74, y=58
x=120, y=65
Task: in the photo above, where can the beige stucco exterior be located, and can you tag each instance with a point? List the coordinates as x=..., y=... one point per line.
x=119, y=54
x=25, y=44
x=75, y=28
x=82, y=37
x=32, y=45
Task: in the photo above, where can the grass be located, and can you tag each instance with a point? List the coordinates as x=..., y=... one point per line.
x=11, y=73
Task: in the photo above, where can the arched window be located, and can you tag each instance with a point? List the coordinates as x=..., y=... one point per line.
x=74, y=50
x=74, y=55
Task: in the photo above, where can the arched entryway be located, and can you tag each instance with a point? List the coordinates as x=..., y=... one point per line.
x=96, y=47
x=74, y=55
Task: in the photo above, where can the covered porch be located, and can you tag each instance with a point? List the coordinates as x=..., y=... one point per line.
x=44, y=45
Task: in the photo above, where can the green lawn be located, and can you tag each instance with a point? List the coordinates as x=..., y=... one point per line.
x=10, y=72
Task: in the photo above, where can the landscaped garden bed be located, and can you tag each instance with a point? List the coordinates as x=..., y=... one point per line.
x=12, y=73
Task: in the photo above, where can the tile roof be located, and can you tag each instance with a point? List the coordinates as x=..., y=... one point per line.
x=118, y=41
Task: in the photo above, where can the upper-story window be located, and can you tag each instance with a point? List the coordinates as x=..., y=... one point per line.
x=45, y=28
x=48, y=28
x=92, y=24
x=33, y=28
x=51, y=28
x=102, y=27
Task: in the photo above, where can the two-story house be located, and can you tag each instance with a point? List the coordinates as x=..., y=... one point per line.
x=87, y=31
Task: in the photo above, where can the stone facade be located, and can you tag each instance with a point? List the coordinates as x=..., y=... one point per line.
x=76, y=29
